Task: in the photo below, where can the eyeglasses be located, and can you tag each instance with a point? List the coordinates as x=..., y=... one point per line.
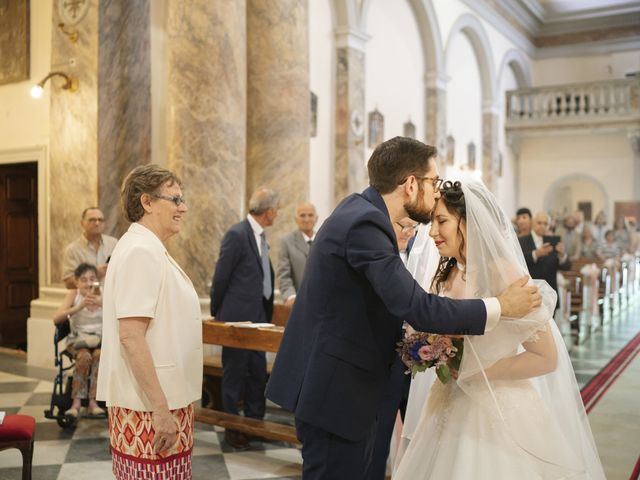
x=177, y=199
x=436, y=182
x=407, y=228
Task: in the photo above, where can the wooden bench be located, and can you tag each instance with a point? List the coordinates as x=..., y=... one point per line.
x=265, y=340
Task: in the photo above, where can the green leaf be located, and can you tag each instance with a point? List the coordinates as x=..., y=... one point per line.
x=443, y=373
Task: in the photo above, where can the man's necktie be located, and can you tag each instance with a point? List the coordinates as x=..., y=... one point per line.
x=267, y=289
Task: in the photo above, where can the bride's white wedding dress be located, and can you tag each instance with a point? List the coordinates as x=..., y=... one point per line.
x=478, y=428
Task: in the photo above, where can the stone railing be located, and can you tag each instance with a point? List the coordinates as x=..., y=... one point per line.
x=594, y=102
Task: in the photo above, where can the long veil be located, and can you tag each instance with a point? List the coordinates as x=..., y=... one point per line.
x=565, y=448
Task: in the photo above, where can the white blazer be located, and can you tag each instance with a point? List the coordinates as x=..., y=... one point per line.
x=144, y=281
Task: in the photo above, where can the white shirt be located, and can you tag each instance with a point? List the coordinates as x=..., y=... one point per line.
x=257, y=232
x=144, y=281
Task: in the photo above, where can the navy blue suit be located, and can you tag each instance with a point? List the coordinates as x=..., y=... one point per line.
x=338, y=348
x=237, y=296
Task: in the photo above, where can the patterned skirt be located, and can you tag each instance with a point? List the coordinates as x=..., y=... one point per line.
x=131, y=434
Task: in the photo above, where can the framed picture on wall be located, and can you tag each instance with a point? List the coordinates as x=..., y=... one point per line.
x=313, y=118
x=376, y=128
x=451, y=149
x=14, y=41
x=409, y=129
x=471, y=156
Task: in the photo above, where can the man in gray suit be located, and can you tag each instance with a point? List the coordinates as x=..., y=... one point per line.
x=294, y=250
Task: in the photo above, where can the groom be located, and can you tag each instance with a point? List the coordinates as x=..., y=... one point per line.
x=339, y=344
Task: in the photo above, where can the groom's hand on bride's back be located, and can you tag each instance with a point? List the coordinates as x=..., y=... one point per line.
x=519, y=299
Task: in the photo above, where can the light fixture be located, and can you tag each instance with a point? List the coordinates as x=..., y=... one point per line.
x=71, y=84
x=73, y=36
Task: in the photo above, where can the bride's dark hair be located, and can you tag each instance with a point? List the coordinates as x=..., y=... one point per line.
x=453, y=198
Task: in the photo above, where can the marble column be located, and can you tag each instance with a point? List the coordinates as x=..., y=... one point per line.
x=350, y=164
x=73, y=132
x=490, y=122
x=205, y=58
x=436, y=113
x=278, y=105
x=124, y=101
x=634, y=140
x=514, y=141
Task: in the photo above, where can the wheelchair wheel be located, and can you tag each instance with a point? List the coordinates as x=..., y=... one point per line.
x=67, y=422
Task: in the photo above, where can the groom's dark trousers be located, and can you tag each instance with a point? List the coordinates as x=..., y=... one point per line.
x=336, y=354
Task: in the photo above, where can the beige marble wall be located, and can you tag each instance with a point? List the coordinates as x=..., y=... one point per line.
x=489, y=147
x=278, y=105
x=124, y=100
x=205, y=125
x=73, y=170
x=350, y=169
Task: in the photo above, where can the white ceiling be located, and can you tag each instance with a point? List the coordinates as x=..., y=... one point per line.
x=563, y=10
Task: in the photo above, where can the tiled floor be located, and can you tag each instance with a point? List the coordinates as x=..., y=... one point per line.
x=83, y=453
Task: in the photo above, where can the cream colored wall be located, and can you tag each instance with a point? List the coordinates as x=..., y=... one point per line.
x=607, y=157
x=394, y=69
x=464, y=100
x=322, y=82
x=24, y=121
x=557, y=71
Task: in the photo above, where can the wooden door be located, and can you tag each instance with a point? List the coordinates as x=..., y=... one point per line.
x=18, y=250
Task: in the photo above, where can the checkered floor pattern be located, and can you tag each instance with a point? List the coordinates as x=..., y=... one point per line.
x=83, y=453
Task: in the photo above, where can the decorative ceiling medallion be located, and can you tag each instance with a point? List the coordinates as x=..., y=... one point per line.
x=72, y=11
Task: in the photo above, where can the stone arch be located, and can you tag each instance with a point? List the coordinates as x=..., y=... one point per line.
x=471, y=27
x=519, y=65
x=548, y=195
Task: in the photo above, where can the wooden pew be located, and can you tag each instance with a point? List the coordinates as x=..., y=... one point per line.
x=261, y=339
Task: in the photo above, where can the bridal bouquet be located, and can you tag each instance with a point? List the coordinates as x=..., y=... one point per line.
x=420, y=351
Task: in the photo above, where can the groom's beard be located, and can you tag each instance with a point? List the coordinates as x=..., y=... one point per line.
x=417, y=210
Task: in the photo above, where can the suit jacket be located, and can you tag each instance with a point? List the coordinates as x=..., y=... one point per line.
x=292, y=258
x=546, y=268
x=338, y=347
x=236, y=289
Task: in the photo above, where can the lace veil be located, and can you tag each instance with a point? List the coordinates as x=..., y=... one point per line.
x=494, y=261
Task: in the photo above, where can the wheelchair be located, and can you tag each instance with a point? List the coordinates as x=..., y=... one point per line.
x=62, y=385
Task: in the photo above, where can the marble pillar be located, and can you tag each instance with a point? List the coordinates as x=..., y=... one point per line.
x=634, y=140
x=278, y=106
x=205, y=125
x=124, y=101
x=490, y=122
x=73, y=133
x=350, y=165
x=436, y=113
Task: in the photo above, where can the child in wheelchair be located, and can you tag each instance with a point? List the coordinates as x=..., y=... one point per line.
x=82, y=309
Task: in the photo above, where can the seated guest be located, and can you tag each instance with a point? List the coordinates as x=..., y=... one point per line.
x=609, y=249
x=571, y=237
x=600, y=226
x=621, y=234
x=93, y=247
x=588, y=248
x=634, y=238
x=82, y=307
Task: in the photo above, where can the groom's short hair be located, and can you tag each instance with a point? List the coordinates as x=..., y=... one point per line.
x=396, y=159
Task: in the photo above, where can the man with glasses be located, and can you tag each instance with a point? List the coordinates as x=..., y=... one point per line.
x=334, y=361
x=93, y=247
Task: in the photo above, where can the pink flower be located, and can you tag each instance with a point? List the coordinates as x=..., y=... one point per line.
x=426, y=353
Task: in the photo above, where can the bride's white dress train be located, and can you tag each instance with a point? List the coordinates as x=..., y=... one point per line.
x=458, y=437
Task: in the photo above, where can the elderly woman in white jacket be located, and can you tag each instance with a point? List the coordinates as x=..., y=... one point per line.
x=151, y=366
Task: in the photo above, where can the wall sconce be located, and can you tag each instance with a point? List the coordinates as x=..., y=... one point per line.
x=73, y=36
x=71, y=84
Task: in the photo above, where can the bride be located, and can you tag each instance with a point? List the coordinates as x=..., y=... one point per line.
x=514, y=411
